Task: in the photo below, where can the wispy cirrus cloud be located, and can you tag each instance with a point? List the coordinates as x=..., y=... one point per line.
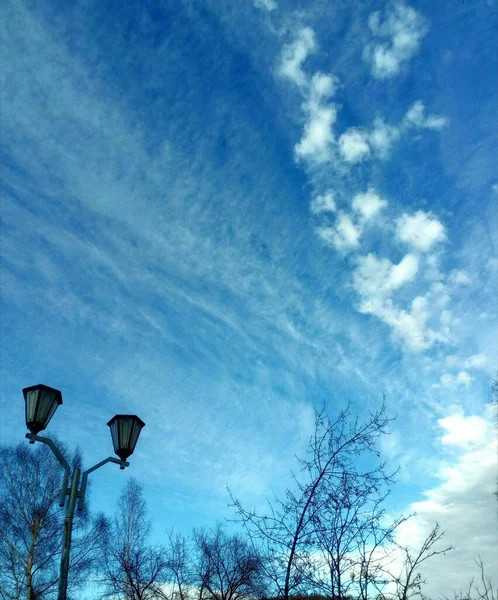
x=221, y=218
x=174, y=308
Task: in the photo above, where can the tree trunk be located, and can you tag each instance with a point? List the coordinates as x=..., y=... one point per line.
x=30, y=593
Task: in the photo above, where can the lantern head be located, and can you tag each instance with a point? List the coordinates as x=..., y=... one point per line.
x=41, y=403
x=125, y=430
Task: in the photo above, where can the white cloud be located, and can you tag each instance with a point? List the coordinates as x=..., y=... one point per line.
x=323, y=86
x=410, y=325
x=433, y=271
x=343, y=236
x=317, y=136
x=452, y=361
x=353, y=145
x=421, y=230
x=347, y=230
x=268, y=5
x=416, y=117
x=382, y=137
x=405, y=271
x=316, y=141
x=492, y=264
x=399, y=33
x=427, y=319
x=376, y=277
x=459, y=277
x=294, y=55
x=462, y=379
x=322, y=204
x=371, y=276
x=357, y=144
x=476, y=361
x=448, y=325
x=384, y=63
x=446, y=317
x=462, y=431
x=463, y=503
x=439, y=292
x=368, y=204
x=399, y=36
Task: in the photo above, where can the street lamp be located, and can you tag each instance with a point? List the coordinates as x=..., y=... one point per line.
x=125, y=430
x=41, y=403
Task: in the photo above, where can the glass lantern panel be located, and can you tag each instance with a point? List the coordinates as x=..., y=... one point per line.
x=45, y=404
x=113, y=425
x=31, y=401
x=134, y=435
x=125, y=427
x=53, y=408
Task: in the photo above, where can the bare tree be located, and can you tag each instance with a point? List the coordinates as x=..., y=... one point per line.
x=333, y=488
x=352, y=535
x=227, y=567
x=177, y=566
x=132, y=569
x=409, y=581
x=31, y=526
x=376, y=551
x=478, y=590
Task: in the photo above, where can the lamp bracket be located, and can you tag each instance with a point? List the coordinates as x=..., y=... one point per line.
x=122, y=464
x=59, y=456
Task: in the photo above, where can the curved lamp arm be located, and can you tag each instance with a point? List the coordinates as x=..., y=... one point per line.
x=58, y=455
x=122, y=464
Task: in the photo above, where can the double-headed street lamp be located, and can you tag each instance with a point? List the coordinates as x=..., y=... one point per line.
x=41, y=403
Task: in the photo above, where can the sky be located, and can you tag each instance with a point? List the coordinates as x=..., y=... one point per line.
x=219, y=215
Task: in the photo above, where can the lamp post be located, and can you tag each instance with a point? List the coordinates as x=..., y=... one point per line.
x=41, y=403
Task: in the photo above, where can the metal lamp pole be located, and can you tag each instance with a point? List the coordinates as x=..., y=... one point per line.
x=68, y=531
x=41, y=403
x=75, y=492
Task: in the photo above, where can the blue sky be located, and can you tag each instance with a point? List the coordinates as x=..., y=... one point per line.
x=218, y=215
